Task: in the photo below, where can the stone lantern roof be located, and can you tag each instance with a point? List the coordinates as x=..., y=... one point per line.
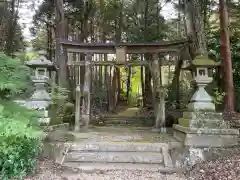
x=41, y=62
x=201, y=61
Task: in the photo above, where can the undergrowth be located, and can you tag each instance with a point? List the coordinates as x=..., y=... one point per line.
x=20, y=134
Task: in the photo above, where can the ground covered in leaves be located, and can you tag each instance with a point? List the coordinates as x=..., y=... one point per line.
x=224, y=168
x=47, y=170
x=227, y=168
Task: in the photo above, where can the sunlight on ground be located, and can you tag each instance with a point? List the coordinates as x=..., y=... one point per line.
x=129, y=112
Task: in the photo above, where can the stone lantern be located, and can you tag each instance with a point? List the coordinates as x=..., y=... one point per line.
x=202, y=68
x=202, y=127
x=41, y=99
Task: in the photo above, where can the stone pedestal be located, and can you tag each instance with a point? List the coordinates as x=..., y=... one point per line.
x=201, y=128
x=200, y=125
x=204, y=127
x=203, y=131
x=206, y=138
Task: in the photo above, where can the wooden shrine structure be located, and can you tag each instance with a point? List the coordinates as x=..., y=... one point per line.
x=178, y=48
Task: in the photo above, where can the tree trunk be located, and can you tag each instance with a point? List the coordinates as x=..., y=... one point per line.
x=226, y=57
x=12, y=27
x=142, y=79
x=158, y=95
x=129, y=81
x=147, y=100
x=195, y=27
x=60, y=55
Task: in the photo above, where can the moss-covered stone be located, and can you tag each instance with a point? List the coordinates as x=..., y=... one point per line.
x=201, y=61
x=184, y=122
x=205, y=62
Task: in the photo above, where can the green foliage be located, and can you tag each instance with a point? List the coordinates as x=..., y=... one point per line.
x=25, y=56
x=63, y=109
x=99, y=98
x=14, y=79
x=135, y=84
x=186, y=92
x=20, y=141
x=58, y=93
x=20, y=135
x=218, y=97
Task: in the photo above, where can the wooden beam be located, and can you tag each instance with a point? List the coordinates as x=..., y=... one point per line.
x=114, y=63
x=109, y=50
x=131, y=48
x=76, y=44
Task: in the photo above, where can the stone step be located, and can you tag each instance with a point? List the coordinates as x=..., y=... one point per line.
x=118, y=147
x=115, y=157
x=101, y=167
x=112, y=120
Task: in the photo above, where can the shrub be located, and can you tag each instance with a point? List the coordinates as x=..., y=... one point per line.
x=20, y=141
x=20, y=134
x=61, y=110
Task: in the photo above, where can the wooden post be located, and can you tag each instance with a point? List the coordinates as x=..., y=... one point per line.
x=78, y=108
x=120, y=54
x=159, y=105
x=87, y=91
x=162, y=109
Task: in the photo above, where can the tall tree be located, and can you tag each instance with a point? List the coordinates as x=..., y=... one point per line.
x=226, y=57
x=60, y=55
x=11, y=39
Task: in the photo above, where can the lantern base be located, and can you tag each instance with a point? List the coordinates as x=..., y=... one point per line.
x=206, y=138
x=205, y=129
x=201, y=100
x=201, y=106
x=44, y=120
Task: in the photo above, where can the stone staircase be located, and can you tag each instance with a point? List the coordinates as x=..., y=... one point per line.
x=139, y=121
x=104, y=156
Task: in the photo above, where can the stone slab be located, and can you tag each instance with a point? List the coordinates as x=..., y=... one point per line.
x=59, y=136
x=115, y=157
x=206, y=130
x=63, y=127
x=167, y=158
x=53, y=151
x=118, y=147
x=205, y=115
x=206, y=138
x=202, y=123
x=102, y=167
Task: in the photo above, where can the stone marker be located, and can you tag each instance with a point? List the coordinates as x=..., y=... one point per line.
x=41, y=99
